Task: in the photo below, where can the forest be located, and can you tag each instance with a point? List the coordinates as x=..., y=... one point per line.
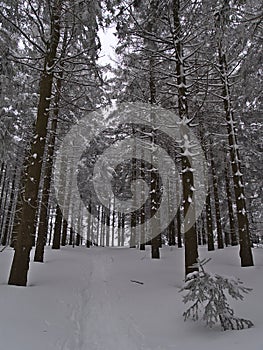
x=154, y=146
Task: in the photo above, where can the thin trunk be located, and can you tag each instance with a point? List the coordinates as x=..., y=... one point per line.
x=89, y=228
x=242, y=218
x=204, y=237
x=79, y=229
x=113, y=224
x=232, y=228
x=119, y=229
x=2, y=181
x=209, y=222
x=59, y=214
x=122, y=230
x=220, y=242
x=4, y=238
x=4, y=210
x=108, y=227
x=171, y=227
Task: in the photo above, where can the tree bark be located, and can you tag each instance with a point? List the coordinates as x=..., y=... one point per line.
x=242, y=218
x=232, y=228
x=190, y=235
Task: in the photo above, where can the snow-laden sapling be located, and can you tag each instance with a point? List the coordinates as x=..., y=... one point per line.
x=207, y=292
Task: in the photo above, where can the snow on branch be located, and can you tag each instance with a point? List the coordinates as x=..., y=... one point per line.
x=208, y=292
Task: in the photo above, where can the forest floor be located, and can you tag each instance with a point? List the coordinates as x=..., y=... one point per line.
x=90, y=299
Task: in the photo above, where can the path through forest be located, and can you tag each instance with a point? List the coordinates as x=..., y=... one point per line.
x=100, y=322
x=87, y=299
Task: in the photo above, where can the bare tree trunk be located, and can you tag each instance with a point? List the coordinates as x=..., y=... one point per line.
x=79, y=227
x=89, y=229
x=113, y=224
x=190, y=235
x=209, y=222
x=20, y=265
x=242, y=218
x=232, y=227
x=119, y=229
x=204, y=236
x=43, y=224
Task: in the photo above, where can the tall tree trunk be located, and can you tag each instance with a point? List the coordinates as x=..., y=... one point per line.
x=20, y=265
x=113, y=224
x=43, y=222
x=119, y=229
x=190, y=235
x=142, y=217
x=242, y=218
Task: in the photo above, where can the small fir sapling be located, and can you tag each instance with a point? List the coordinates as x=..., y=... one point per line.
x=207, y=292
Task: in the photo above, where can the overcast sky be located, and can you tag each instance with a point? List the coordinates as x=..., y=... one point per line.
x=108, y=42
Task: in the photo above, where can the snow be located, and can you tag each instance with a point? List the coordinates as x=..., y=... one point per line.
x=86, y=299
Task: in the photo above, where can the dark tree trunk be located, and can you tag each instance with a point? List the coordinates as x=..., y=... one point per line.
x=179, y=231
x=242, y=218
x=171, y=233
x=108, y=228
x=89, y=229
x=119, y=229
x=20, y=264
x=43, y=221
x=190, y=235
x=209, y=223
x=64, y=232
x=204, y=237
x=57, y=229
x=71, y=234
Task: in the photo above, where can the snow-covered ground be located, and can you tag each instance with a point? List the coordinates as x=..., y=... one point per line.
x=84, y=299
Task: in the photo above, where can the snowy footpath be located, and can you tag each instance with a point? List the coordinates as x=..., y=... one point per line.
x=119, y=299
x=98, y=318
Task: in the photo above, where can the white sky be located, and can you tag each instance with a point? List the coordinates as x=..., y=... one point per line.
x=108, y=43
